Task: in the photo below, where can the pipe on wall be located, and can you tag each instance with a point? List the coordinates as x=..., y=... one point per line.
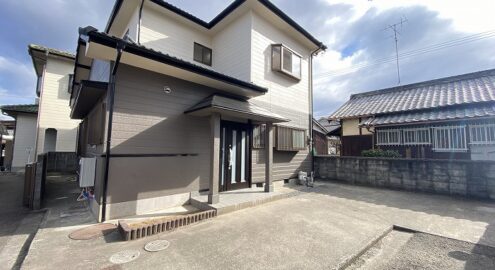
x=110, y=101
x=310, y=80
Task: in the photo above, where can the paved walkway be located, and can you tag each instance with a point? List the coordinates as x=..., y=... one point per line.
x=315, y=230
x=17, y=224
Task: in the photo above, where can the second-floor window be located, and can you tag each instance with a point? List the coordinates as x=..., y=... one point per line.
x=286, y=61
x=202, y=54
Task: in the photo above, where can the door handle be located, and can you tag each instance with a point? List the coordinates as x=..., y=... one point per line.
x=230, y=156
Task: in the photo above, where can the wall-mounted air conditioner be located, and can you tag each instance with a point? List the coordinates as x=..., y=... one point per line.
x=87, y=168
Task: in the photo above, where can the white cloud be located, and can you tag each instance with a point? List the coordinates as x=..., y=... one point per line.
x=17, y=81
x=357, y=33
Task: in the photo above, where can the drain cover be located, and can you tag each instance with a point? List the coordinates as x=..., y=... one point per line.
x=93, y=231
x=124, y=256
x=156, y=245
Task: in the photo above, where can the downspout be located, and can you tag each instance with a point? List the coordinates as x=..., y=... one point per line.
x=139, y=22
x=40, y=97
x=110, y=101
x=313, y=53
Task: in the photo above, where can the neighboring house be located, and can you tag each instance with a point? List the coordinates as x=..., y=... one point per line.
x=447, y=118
x=24, y=137
x=172, y=105
x=320, y=139
x=334, y=130
x=7, y=128
x=56, y=131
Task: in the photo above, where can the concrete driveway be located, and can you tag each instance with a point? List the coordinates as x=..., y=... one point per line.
x=315, y=230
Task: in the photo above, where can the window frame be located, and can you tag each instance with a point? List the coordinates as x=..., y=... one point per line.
x=416, y=136
x=262, y=135
x=289, y=138
x=386, y=135
x=203, y=48
x=489, y=138
x=279, y=66
x=450, y=143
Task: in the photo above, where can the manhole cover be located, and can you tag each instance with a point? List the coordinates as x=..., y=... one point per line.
x=93, y=231
x=156, y=245
x=124, y=256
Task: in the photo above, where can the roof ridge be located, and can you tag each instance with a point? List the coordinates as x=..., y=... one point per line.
x=58, y=52
x=450, y=79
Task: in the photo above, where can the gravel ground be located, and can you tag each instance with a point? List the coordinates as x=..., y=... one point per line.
x=425, y=251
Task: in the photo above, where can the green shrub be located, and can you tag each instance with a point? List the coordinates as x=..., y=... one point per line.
x=380, y=153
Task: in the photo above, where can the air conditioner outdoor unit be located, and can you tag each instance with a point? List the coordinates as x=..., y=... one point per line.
x=87, y=167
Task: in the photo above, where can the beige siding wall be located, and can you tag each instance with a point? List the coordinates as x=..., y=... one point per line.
x=54, y=110
x=232, y=49
x=25, y=136
x=133, y=25
x=350, y=127
x=148, y=121
x=286, y=97
x=165, y=34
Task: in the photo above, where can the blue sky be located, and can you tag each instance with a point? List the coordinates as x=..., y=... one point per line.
x=352, y=29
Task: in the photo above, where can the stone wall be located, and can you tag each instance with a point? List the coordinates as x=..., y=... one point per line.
x=458, y=177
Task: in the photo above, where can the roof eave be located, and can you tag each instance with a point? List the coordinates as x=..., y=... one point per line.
x=223, y=14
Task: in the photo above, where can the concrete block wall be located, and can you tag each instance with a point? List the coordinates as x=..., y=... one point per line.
x=451, y=177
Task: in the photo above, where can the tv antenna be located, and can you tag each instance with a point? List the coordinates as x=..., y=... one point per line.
x=397, y=28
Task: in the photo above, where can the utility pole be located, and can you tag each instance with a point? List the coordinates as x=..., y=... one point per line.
x=396, y=28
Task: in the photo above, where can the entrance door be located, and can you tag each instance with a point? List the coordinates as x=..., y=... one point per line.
x=234, y=156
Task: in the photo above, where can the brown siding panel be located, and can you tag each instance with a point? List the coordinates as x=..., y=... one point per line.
x=149, y=121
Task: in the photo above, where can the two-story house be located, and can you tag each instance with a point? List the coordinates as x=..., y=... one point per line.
x=172, y=105
x=45, y=126
x=56, y=131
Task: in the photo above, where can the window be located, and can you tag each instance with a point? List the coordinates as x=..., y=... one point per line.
x=416, y=136
x=290, y=139
x=449, y=139
x=96, y=125
x=482, y=133
x=202, y=54
x=388, y=137
x=259, y=136
x=69, y=87
x=286, y=61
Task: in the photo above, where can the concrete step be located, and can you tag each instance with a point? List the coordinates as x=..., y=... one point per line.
x=230, y=202
x=149, y=227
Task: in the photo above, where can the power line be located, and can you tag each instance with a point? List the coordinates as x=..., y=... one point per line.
x=427, y=49
x=408, y=54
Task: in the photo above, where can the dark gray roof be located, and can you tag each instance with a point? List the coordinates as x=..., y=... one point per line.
x=231, y=8
x=329, y=125
x=457, y=90
x=22, y=108
x=319, y=127
x=51, y=51
x=453, y=113
x=223, y=103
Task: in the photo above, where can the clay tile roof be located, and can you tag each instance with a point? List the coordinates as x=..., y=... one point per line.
x=451, y=91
